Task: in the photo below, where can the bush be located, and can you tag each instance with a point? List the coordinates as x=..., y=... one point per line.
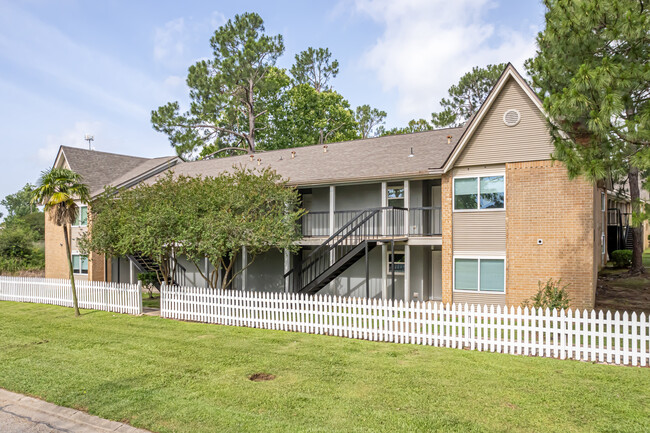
x=622, y=258
x=550, y=295
x=16, y=241
x=149, y=281
x=33, y=262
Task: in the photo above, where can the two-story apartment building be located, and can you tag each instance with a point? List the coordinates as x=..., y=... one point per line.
x=476, y=214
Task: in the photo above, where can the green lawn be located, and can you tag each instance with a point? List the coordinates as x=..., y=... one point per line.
x=148, y=302
x=171, y=376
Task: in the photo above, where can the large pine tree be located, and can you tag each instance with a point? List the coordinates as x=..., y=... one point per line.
x=592, y=68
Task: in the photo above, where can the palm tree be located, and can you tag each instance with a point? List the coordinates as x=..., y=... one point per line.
x=57, y=190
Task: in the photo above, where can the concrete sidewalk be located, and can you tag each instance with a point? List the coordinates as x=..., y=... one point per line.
x=22, y=414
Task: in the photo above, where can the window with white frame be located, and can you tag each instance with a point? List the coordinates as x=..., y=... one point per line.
x=395, y=195
x=79, y=264
x=396, y=260
x=479, y=193
x=82, y=217
x=479, y=274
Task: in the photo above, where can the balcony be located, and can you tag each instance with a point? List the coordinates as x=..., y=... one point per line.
x=422, y=222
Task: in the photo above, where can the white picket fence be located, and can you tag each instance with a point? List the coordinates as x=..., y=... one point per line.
x=587, y=336
x=95, y=295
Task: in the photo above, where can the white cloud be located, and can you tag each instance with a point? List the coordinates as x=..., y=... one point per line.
x=169, y=40
x=173, y=41
x=427, y=45
x=32, y=44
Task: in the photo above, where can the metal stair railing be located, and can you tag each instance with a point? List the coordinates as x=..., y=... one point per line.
x=376, y=224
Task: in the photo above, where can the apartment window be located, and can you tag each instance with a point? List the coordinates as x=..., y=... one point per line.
x=480, y=274
x=395, y=195
x=79, y=264
x=479, y=193
x=82, y=217
x=396, y=261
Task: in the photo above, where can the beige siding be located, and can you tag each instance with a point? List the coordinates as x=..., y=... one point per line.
x=75, y=234
x=479, y=231
x=480, y=170
x=479, y=298
x=494, y=142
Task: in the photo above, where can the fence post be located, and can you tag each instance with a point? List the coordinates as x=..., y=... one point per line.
x=139, y=298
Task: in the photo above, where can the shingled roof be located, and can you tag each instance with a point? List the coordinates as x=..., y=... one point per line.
x=348, y=161
x=99, y=169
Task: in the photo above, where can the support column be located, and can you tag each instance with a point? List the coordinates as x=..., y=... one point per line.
x=287, y=268
x=244, y=264
x=131, y=271
x=407, y=273
x=207, y=272
x=332, y=219
x=332, y=209
x=407, y=205
x=392, y=271
x=384, y=203
x=384, y=271
x=219, y=276
x=367, y=272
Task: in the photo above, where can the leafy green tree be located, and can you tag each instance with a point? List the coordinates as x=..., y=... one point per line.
x=307, y=117
x=144, y=221
x=229, y=93
x=20, y=203
x=16, y=241
x=368, y=119
x=211, y=217
x=34, y=222
x=419, y=125
x=466, y=97
x=57, y=190
x=245, y=208
x=315, y=67
x=591, y=69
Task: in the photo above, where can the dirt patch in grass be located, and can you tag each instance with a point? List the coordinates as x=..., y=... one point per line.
x=622, y=292
x=261, y=377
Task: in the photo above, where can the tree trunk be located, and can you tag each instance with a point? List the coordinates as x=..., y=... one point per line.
x=74, y=289
x=637, y=231
x=251, y=118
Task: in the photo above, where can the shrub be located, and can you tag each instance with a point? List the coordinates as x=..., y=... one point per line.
x=149, y=280
x=550, y=295
x=622, y=258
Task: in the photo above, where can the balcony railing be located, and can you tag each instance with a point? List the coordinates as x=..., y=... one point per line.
x=422, y=221
x=425, y=221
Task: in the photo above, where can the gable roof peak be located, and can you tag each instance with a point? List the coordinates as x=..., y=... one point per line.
x=510, y=72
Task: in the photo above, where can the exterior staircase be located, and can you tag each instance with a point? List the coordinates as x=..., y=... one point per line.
x=147, y=264
x=345, y=247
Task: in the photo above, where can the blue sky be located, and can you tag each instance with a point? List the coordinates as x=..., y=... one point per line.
x=71, y=67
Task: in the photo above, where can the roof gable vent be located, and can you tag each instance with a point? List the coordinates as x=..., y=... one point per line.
x=511, y=117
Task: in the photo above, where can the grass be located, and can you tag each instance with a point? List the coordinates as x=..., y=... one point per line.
x=148, y=302
x=170, y=376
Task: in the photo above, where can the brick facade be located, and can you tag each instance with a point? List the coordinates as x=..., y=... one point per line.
x=447, y=246
x=56, y=264
x=542, y=203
